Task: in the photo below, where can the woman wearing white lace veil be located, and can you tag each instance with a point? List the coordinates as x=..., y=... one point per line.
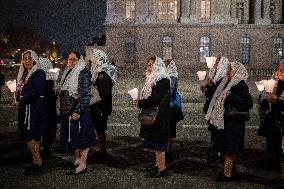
x=175, y=106
x=103, y=78
x=231, y=92
x=156, y=93
x=31, y=104
x=77, y=132
x=49, y=137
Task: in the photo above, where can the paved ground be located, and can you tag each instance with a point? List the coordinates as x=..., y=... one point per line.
x=125, y=167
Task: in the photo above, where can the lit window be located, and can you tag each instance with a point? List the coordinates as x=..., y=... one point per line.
x=245, y=50
x=204, y=48
x=205, y=10
x=130, y=54
x=277, y=50
x=167, y=48
x=130, y=9
x=167, y=9
x=240, y=12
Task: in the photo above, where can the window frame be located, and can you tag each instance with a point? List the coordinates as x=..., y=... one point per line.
x=245, y=46
x=167, y=47
x=276, y=58
x=205, y=10
x=163, y=11
x=130, y=50
x=204, y=45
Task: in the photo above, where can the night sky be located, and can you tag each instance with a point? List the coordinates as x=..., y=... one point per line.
x=71, y=23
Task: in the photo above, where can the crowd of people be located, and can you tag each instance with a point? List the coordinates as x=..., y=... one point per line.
x=81, y=101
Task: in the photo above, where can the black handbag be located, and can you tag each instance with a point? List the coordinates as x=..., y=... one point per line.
x=234, y=114
x=148, y=116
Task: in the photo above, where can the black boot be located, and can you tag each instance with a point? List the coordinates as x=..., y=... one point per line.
x=33, y=170
x=169, y=157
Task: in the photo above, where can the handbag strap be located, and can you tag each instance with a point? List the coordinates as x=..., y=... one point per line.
x=163, y=99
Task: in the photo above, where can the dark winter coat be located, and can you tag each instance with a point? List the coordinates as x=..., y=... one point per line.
x=33, y=95
x=159, y=131
x=232, y=137
x=103, y=108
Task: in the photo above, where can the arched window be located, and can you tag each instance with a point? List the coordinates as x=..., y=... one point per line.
x=130, y=53
x=130, y=9
x=245, y=50
x=277, y=51
x=205, y=10
x=204, y=48
x=167, y=10
x=167, y=48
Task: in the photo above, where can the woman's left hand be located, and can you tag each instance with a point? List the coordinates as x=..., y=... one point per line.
x=75, y=116
x=271, y=97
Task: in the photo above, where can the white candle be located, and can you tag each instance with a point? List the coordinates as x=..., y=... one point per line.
x=54, y=73
x=201, y=75
x=269, y=85
x=133, y=93
x=259, y=85
x=210, y=61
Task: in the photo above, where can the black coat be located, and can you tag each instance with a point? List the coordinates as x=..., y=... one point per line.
x=232, y=137
x=104, y=85
x=159, y=131
x=33, y=95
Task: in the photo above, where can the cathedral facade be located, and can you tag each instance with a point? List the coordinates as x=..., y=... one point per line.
x=249, y=31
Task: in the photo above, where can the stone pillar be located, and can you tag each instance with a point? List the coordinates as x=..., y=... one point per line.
x=221, y=12
x=185, y=11
x=246, y=11
x=234, y=8
x=115, y=12
x=141, y=11
x=266, y=10
x=278, y=11
x=193, y=11
x=151, y=17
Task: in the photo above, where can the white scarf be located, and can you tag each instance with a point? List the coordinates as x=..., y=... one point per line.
x=216, y=108
x=172, y=69
x=45, y=65
x=71, y=81
x=158, y=73
x=34, y=57
x=221, y=69
x=100, y=63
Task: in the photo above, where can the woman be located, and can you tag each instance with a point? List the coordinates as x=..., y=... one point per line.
x=156, y=93
x=49, y=138
x=215, y=77
x=274, y=120
x=76, y=124
x=103, y=79
x=231, y=92
x=31, y=103
x=175, y=106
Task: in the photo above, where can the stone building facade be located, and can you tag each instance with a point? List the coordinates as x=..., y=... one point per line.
x=250, y=31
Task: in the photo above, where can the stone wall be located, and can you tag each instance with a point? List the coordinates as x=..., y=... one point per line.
x=224, y=39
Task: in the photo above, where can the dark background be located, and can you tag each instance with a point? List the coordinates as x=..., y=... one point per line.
x=70, y=23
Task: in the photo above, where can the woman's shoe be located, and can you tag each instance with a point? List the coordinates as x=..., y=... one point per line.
x=33, y=170
x=152, y=169
x=77, y=173
x=223, y=178
x=158, y=174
